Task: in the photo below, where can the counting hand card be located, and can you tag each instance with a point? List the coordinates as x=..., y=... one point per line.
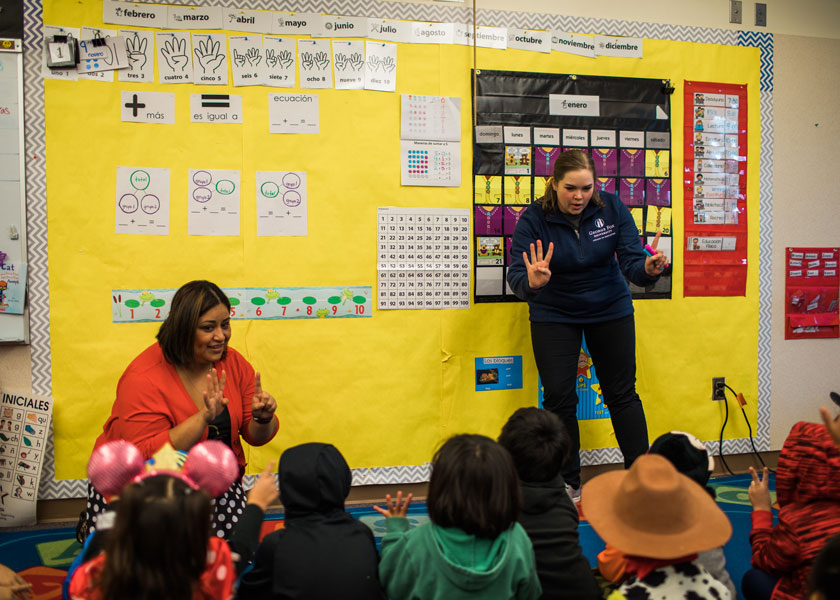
x=315, y=63
x=213, y=202
x=174, y=57
x=210, y=52
x=423, y=258
x=349, y=64
x=140, y=52
x=24, y=427
x=247, y=65
x=280, y=61
x=381, y=66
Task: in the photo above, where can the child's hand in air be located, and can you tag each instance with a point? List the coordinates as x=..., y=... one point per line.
x=264, y=491
x=760, y=490
x=397, y=508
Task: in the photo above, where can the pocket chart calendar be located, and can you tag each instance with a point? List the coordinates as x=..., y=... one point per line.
x=423, y=258
x=524, y=121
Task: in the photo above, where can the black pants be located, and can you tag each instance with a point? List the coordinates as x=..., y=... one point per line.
x=612, y=345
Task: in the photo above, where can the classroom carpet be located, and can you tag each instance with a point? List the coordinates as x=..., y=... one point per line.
x=42, y=554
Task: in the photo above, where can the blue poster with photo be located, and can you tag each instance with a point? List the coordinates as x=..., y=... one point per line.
x=590, y=401
x=498, y=373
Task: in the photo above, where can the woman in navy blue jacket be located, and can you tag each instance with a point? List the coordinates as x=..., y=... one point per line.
x=576, y=287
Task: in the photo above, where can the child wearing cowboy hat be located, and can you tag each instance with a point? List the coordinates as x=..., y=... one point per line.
x=691, y=458
x=661, y=520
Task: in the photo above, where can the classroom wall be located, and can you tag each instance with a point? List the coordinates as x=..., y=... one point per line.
x=806, y=85
x=811, y=18
x=805, y=213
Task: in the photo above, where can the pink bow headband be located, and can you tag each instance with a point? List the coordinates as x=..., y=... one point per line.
x=210, y=466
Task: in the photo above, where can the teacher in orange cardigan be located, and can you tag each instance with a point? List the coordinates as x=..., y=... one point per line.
x=188, y=387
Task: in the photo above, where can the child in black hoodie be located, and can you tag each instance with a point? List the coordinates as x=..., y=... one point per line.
x=323, y=552
x=540, y=445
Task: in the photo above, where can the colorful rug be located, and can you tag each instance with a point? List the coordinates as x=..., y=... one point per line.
x=41, y=555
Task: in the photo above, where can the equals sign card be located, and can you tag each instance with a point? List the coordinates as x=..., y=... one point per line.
x=215, y=108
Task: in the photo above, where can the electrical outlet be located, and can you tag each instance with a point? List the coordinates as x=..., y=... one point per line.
x=718, y=391
x=761, y=14
x=735, y=11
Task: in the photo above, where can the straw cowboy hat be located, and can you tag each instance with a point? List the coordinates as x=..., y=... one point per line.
x=651, y=510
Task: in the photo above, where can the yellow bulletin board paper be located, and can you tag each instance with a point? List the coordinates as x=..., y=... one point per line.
x=386, y=390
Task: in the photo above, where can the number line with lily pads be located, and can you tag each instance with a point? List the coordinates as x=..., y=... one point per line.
x=151, y=305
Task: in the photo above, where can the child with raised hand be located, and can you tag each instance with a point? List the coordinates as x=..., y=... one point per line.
x=660, y=519
x=808, y=494
x=473, y=547
x=539, y=444
x=322, y=552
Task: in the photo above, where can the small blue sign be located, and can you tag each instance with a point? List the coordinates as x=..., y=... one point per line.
x=498, y=373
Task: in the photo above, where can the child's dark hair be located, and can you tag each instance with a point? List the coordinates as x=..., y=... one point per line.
x=158, y=546
x=825, y=573
x=474, y=486
x=538, y=442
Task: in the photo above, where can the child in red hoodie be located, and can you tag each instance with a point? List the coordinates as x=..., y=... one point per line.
x=808, y=493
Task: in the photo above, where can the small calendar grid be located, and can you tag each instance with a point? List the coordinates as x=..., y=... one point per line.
x=423, y=258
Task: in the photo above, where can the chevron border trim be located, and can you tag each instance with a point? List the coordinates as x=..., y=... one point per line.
x=51, y=488
x=764, y=41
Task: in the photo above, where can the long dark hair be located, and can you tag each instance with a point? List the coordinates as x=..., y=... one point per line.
x=570, y=160
x=158, y=546
x=474, y=486
x=177, y=332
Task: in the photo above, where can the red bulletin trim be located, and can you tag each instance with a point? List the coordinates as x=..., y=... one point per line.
x=812, y=285
x=715, y=272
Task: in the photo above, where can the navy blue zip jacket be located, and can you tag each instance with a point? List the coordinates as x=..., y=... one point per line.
x=586, y=284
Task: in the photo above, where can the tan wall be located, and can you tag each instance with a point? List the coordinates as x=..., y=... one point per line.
x=805, y=213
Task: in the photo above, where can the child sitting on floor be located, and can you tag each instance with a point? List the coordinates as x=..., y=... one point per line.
x=690, y=457
x=808, y=494
x=160, y=544
x=539, y=444
x=660, y=519
x=473, y=547
x=322, y=552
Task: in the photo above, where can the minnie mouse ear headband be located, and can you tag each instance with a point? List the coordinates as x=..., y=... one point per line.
x=652, y=511
x=210, y=466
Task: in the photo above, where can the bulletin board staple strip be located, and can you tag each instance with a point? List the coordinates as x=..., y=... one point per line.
x=36, y=189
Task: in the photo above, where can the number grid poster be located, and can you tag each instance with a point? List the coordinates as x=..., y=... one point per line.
x=525, y=120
